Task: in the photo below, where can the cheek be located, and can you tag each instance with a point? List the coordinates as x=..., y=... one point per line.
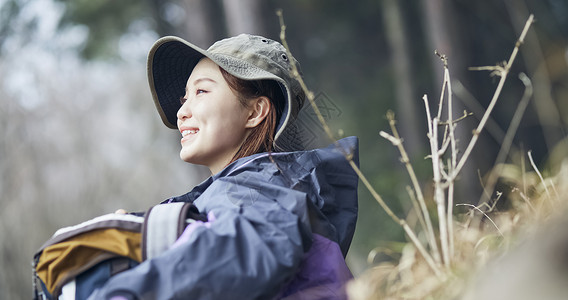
x=231, y=126
x=232, y=117
x=223, y=115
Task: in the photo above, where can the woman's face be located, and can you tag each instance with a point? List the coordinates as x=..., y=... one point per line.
x=211, y=120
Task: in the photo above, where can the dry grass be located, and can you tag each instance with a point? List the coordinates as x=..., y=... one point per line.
x=464, y=244
x=481, y=240
x=443, y=259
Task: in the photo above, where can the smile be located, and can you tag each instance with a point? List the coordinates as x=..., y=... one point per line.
x=189, y=131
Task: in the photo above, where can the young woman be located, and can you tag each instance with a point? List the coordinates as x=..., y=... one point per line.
x=280, y=218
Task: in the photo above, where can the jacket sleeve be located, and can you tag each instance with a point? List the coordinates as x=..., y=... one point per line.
x=250, y=251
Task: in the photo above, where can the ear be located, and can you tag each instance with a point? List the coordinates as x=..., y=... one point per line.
x=259, y=109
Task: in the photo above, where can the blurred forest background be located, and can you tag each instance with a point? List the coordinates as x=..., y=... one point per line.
x=81, y=138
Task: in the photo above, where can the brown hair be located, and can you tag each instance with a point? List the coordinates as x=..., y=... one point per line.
x=261, y=137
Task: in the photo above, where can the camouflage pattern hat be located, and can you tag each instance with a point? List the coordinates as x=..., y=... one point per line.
x=249, y=57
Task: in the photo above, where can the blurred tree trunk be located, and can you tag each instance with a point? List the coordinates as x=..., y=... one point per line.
x=189, y=19
x=407, y=103
x=198, y=26
x=244, y=16
x=437, y=34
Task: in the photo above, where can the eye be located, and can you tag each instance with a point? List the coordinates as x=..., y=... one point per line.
x=200, y=91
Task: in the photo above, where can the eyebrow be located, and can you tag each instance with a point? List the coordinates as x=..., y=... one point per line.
x=198, y=80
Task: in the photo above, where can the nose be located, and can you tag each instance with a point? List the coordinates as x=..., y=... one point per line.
x=184, y=111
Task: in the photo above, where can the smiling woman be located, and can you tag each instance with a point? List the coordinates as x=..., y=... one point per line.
x=212, y=121
x=224, y=118
x=279, y=218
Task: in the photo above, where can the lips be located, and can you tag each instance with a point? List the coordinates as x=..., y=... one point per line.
x=188, y=132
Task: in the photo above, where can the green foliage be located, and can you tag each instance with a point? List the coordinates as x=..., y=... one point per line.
x=106, y=20
x=8, y=11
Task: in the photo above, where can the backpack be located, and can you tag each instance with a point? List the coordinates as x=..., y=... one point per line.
x=79, y=259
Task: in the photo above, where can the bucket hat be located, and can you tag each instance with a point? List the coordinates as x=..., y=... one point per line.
x=249, y=57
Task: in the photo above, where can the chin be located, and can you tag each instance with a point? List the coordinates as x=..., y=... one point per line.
x=190, y=157
x=185, y=157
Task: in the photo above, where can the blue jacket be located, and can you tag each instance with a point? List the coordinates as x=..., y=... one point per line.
x=279, y=226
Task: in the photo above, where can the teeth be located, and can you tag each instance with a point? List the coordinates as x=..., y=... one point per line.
x=192, y=131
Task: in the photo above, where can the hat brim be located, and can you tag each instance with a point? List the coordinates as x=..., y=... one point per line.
x=170, y=63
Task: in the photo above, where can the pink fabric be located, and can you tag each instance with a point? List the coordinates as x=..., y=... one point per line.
x=184, y=237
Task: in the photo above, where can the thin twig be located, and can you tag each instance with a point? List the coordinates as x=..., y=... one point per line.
x=477, y=110
x=503, y=72
x=450, y=217
x=399, y=221
x=396, y=140
x=428, y=116
x=479, y=210
x=439, y=196
x=452, y=164
x=523, y=171
x=539, y=175
x=527, y=200
x=436, y=169
x=444, y=59
x=445, y=146
x=416, y=207
x=463, y=117
x=496, y=69
x=508, y=140
x=363, y=179
x=433, y=137
x=296, y=74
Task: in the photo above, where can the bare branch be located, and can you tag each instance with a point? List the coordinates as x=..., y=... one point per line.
x=451, y=164
x=420, y=195
x=465, y=115
x=508, y=139
x=416, y=207
x=504, y=73
x=439, y=192
x=539, y=175
x=375, y=195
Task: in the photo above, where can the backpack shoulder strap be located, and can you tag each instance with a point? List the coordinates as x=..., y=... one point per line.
x=163, y=224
